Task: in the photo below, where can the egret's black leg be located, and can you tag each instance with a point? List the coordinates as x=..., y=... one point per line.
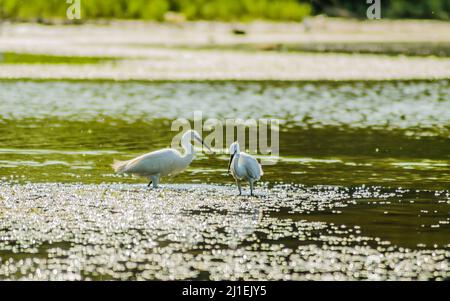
x=149, y=184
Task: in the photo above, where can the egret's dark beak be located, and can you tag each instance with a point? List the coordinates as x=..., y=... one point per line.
x=203, y=143
x=231, y=160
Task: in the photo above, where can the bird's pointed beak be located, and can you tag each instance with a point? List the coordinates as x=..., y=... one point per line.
x=231, y=160
x=203, y=143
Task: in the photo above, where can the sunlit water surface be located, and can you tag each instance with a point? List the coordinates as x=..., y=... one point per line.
x=363, y=173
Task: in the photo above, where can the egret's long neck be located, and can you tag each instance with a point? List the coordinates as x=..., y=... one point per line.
x=188, y=147
x=236, y=160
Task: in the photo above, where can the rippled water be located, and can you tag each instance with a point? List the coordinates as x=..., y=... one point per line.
x=121, y=231
x=381, y=146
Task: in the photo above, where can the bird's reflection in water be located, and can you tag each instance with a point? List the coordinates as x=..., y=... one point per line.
x=247, y=223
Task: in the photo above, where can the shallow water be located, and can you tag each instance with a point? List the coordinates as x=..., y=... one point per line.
x=393, y=134
x=122, y=231
x=383, y=147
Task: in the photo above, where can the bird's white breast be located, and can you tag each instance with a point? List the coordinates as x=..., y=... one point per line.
x=246, y=167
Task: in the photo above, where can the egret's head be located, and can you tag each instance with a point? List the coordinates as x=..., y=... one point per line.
x=194, y=135
x=234, y=149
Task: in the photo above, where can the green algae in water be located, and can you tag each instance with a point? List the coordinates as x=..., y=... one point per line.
x=28, y=58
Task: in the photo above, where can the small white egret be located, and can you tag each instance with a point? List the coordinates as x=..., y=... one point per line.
x=161, y=163
x=243, y=167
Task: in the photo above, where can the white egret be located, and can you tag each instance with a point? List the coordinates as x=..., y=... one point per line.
x=243, y=167
x=161, y=163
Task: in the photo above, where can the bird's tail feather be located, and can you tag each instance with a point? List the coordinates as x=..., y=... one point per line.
x=119, y=166
x=261, y=170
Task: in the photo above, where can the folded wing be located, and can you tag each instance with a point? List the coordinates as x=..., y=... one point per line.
x=252, y=166
x=158, y=162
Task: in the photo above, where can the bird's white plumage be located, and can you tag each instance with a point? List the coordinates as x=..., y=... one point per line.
x=244, y=167
x=160, y=163
x=164, y=162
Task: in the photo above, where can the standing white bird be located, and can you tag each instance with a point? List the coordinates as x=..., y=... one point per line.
x=243, y=167
x=161, y=163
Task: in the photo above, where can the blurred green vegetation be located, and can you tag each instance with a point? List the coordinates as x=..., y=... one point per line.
x=225, y=10
x=429, y=9
x=157, y=9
